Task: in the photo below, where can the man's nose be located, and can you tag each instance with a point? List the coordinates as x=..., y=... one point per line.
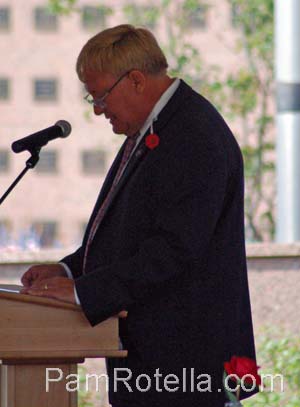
x=98, y=110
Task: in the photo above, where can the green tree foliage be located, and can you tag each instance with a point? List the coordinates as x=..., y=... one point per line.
x=244, y=95
x=62, y=6
x=250, y=95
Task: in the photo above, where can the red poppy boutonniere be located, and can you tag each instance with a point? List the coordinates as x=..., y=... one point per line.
x=152, y=141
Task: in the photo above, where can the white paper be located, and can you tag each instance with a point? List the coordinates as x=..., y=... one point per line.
x=10, y=288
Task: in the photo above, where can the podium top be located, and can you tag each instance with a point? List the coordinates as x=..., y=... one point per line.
x=38, y=328
x=50, y=302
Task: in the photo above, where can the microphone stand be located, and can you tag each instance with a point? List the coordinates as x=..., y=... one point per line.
x=30, y=164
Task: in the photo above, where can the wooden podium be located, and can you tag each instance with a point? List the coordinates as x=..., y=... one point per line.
x=39, y=333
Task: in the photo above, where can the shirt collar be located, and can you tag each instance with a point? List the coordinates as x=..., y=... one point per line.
x=160, y=104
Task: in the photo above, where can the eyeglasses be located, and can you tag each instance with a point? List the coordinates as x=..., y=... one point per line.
x=100, y=102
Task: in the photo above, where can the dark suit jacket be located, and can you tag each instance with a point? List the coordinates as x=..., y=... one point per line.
x=171, y=251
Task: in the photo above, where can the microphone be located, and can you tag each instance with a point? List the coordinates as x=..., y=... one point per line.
x=62, y=128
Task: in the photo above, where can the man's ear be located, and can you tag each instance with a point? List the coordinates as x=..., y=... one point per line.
x=138, y=80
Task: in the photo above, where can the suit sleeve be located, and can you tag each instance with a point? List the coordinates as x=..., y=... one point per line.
x=190, y=203
x=74, y=262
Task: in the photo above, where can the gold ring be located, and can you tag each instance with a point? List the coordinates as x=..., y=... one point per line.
x=46, y=287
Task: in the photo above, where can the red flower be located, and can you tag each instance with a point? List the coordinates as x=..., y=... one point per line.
x=152, y=141
x=242, y=366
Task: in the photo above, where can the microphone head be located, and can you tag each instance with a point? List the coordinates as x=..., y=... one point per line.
x=65, y=127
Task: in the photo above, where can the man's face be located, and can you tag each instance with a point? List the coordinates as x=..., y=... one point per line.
x=120, y=104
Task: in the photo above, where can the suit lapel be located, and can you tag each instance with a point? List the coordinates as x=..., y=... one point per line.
x=141, y=151
x=134, y=161
x=106, y=187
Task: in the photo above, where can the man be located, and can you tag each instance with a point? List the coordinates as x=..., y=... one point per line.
x=166, y=238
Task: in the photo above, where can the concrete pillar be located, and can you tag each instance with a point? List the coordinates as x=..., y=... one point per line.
x=287, y=68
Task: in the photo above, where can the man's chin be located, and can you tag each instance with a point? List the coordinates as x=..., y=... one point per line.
x=119, y=129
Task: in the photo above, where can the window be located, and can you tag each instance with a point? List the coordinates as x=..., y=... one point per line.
x=197, y=17
x=94, y=17
x=142, y=15
x=235, y=14
x=45, y=233
x=45, y=89
x=4, y=161
x=44, y=20
x=4, y=18
x=93, y=162
x=47, y=162
x=4, y=89
x=5, y=232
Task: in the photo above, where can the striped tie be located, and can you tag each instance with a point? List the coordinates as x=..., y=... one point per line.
x=130, y=143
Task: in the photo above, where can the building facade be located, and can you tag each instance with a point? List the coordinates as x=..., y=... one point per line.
x=39, y=86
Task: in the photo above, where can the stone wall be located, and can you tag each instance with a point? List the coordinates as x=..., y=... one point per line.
x=274, y=280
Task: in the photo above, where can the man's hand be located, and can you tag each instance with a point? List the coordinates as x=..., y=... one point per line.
x=42, y=271
x=48, y=280
x=60, y=288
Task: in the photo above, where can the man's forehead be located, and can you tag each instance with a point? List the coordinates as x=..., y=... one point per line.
x=97, y=80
